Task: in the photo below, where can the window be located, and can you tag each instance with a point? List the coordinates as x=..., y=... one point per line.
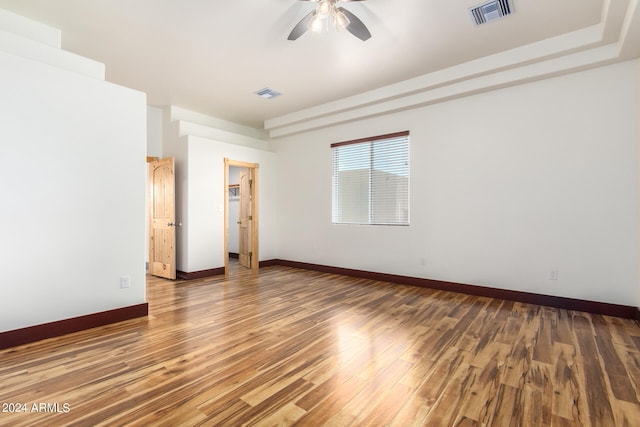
x=371, y=180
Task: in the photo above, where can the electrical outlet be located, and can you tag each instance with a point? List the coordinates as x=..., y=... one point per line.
x=423, y=262
x=125, y=282
x=553, y=275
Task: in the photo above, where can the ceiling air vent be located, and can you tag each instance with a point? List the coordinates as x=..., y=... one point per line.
x=490, y=11
x=267, y=93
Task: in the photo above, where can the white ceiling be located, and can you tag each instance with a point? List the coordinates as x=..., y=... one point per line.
x=210, y=56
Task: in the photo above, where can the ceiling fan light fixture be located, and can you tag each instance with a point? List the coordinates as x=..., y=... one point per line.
x=317, y=20
x=316, y=24
x=324, y=8
x=340, y=21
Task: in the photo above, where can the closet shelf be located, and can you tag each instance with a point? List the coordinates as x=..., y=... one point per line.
x=234, y=191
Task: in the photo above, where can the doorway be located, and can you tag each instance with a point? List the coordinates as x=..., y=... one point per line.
x=244, y=191
x=161, y=219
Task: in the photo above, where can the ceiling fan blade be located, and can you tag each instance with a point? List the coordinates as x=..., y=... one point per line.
x=302, y=26
x=356, y=26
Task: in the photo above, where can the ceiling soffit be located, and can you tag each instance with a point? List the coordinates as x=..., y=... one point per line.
x=616, y=38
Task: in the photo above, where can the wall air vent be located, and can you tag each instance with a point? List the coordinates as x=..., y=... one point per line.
x=267, y=93
x=490, y=11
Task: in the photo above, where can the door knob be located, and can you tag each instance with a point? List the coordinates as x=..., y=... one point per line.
x=174, y=224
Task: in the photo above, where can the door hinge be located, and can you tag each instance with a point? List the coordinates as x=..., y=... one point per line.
x=250, y=217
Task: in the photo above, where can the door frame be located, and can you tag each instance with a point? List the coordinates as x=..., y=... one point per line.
x=254, y=211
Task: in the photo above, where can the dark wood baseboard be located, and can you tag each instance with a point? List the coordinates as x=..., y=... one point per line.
x=67, y=326
x=269, y=263
x=199, y=274
x=617, y=310
x=638, y=315
x=234, y=255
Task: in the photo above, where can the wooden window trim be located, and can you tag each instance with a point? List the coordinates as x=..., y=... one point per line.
x=371, y=139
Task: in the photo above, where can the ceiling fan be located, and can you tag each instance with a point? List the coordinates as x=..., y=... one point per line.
x=328, y=9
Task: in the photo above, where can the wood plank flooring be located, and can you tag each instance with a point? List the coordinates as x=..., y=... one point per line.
x=294, y=347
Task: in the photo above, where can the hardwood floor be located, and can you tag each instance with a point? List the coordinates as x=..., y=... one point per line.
x=288, y=346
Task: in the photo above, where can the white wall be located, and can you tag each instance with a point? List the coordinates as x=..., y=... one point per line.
x=506, y=187
x=205, y=216
x=177, y=148
x=200, y=194
x=72, y=204
x=154, y=131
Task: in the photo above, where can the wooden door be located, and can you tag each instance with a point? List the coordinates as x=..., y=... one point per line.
x=162, y=221
x=244, y=243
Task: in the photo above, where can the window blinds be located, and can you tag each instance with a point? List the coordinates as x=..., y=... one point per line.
x=371, y=180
